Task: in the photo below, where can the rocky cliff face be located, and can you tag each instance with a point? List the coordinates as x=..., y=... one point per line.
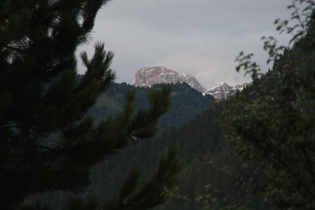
x=148, y=76
x=223, y=90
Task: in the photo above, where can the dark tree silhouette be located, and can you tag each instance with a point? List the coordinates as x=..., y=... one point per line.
x=47, y=142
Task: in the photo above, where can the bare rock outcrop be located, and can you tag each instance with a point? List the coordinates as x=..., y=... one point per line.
x=148, y=76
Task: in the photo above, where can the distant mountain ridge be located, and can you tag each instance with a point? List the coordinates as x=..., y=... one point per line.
x=223, y=90
x=149, y=76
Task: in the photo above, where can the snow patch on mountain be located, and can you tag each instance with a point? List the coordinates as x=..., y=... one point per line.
x=223, y=90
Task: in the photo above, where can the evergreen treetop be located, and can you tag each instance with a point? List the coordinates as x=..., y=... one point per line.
x=47, y=142
x=272, y=122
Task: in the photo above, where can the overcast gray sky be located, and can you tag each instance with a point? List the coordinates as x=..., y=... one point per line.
x=197, y=37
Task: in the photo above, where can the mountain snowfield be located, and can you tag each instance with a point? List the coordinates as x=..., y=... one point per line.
x=148, y=76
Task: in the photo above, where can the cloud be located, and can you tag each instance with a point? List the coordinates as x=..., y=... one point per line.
x=200, y=37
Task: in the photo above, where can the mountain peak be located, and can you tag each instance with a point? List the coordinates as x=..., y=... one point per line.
x=148, y=76
x=223, y=90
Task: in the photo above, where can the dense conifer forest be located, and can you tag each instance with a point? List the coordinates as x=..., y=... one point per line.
x=209, y=165
x=186, y=103
x=70, y=141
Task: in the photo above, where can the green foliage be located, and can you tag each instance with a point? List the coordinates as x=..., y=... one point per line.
x=77, y=203
x=272, y=122
x=143, y=194
x=47, y=140
x=190, y=101
x=213, y=176
x=207, y=161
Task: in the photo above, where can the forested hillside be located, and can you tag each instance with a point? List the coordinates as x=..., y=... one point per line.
x=186, y=103
x=209, y=167
x=208, y=163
